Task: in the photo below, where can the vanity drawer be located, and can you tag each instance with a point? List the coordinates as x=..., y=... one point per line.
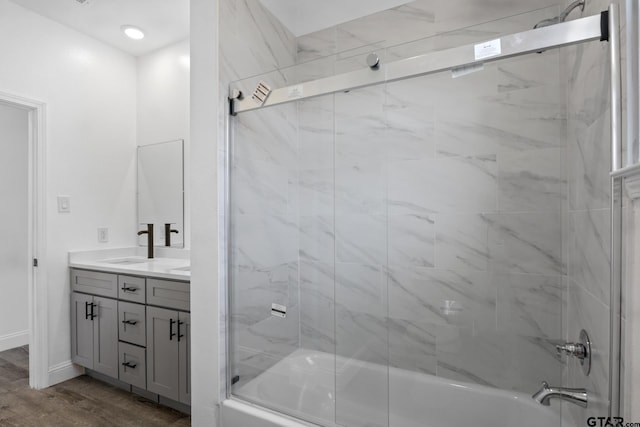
x=131, y=323
x=133, y=369
x=92, y=282
x=132, y=289
x=168, y=293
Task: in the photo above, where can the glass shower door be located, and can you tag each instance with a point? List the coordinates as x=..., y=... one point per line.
x=406, y=248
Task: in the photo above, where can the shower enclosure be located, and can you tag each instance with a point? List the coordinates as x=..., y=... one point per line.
x=401, y=231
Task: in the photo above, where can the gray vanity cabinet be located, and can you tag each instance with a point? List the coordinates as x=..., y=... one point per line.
x=94, y=333
x=168, y=353
x=134, y=329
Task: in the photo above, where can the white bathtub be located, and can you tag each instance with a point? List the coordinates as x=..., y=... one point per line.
x=361, y=394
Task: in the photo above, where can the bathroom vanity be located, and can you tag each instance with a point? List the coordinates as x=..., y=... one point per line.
x=130, y=322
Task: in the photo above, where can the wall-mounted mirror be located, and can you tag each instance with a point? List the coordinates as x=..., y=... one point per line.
x=161, y=192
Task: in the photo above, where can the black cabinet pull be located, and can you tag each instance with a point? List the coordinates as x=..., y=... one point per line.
x=86, y=310
x=129, y=365
x=171, y=334
x=93, y=315
x=129, y=289
x=130, y=322
x=179, y=335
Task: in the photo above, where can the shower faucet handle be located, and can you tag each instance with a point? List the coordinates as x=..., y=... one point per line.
x=581, y=350
x=572, y=349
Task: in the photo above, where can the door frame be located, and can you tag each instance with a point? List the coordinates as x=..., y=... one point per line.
x=36, y=237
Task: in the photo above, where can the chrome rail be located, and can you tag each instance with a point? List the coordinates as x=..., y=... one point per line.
x=536, y=40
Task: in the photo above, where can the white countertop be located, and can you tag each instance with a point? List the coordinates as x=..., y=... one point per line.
x=169, y=263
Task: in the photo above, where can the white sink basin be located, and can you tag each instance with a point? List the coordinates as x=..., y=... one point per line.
x=125, y=261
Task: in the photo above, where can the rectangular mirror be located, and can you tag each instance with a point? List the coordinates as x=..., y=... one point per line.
x=161, y=192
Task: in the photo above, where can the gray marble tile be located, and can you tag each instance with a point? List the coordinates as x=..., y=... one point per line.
x=589, y=251
x=317, y=238
x=531, y=181
x=268, y=136
x=530, y=305
x=462, y=242
x=260, y=187
x=451, y=184
x=317, y=304
x=531, y=71
x=257, y=288
x=526, y=242
x=361, y=239
x=393, y=26
x=588, y=161
x=361, y=189
x=316, y=192
x=316, y=45
x=412, y=346
x=361, y=288
x=264, y=240
x=411, y=240
x=410, y=187
x=443, y=297
x=410, y=132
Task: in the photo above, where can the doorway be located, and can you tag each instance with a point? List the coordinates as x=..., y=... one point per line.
x=23, y=307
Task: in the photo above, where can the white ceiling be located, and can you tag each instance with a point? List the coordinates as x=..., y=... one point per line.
x=163, y=21
x=307, y=16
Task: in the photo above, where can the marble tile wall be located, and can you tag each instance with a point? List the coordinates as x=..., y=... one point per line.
x=588, y=234
x=264, y=268
x=448, y=196
x=455, y=227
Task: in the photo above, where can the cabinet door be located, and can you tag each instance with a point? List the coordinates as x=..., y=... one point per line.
x=81, y=330
x=105, y=336
x=184, y=346
x=162, y=352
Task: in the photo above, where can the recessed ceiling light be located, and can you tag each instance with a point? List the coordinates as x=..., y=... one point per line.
x=133, y=32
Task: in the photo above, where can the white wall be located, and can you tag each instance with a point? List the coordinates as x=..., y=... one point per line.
x=14, y=139
x=163, y=105
x=90, y=93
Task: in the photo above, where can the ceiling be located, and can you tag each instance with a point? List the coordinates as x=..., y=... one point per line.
x=163, y=21
x=307, y=16
x=167, y=21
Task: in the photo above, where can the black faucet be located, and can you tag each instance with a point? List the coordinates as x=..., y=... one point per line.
x=149, y=233
x=167, y=234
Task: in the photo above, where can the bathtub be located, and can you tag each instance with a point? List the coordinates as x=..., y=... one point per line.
x=333, y=391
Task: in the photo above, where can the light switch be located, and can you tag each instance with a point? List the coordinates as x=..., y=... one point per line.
x=64, y=204
x=103, y=234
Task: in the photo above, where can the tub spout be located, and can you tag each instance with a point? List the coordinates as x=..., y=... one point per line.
x=577, y=396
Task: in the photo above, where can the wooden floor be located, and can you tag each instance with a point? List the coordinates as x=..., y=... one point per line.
x=81, y=401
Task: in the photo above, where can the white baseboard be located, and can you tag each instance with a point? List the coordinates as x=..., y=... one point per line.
x=17, y=339
x=63, y=372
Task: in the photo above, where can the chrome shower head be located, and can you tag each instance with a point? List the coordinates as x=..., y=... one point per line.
x=563, y=16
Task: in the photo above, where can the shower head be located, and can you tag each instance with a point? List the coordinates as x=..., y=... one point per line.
x=563, y=16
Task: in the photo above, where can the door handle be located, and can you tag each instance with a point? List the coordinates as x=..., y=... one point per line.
x=171, y=333
x=86, y=310
x=129, y=365
x=93, y=315
x=179, y=335
x=128, y=289
x=130, y=322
